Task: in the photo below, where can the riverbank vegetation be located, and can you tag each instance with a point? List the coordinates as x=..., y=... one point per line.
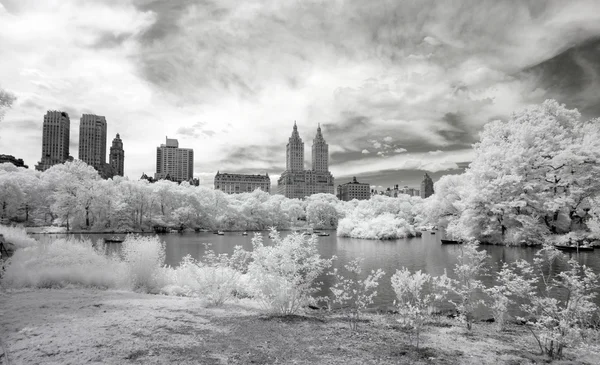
x=558, y=310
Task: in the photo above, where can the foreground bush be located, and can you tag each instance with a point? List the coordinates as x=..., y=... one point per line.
x=17, y=236
x=61, y=263
x=354, y=293
x=144, y=258
x=282, y=276
x=562, y=313
x=417, y=296
x=216, y=278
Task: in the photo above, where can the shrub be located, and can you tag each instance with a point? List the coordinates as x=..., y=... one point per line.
x=352, y=292
x=282, y=276
x=144, y=257
x=467, y=286
x=382, y=227
x=215, y=278
x=17, y=236
x=563, y=311
x=417, y=294
x=61, y=263
x=514, y=280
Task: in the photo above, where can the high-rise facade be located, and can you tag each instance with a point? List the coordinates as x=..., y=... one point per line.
x=295, y=181
x=55, y=139
x=239, y=183
x=117, y=156
x=92, y=140
x=173, y=162
x=426, y=186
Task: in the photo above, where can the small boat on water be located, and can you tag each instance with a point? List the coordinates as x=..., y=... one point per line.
x=322, y=234
x=114, y=239
x=574, y=248
x=432, y=232
x=450, y=242
x=220, y=233
x=244, y=233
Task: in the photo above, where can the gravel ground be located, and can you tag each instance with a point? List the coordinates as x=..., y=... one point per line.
x=88, y=326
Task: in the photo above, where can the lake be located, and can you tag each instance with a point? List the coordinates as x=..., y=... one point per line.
x=421, y=253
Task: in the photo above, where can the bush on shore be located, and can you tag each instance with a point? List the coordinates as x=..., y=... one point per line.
x=61, y=263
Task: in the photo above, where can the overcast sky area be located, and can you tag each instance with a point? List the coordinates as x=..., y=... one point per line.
x=399, y=87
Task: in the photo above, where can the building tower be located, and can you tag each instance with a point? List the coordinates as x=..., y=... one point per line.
x=295, y=152
x=295, y=182
x=117, y=156
x=55, y=139
x=426, y=187
x=174, y=163
x=320, y=153
x=92, y=140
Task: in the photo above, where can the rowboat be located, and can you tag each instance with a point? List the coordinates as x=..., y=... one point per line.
x=574, y=248
x=450, y=242
x=114, y=240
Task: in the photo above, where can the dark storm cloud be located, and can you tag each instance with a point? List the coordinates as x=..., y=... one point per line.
x=250, y=158
x=573, y=77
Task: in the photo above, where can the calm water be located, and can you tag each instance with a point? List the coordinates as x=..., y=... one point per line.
x=422, y=253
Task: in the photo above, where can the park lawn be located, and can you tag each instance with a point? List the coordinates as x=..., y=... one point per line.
x=81, y=326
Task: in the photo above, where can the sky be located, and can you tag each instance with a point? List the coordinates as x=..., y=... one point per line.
x=400, y=88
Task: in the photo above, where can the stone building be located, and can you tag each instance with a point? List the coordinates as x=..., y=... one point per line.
x=174, y=162
x=240, y=183
x=92, y=140
x=117, y=156
x=55, y=139
x=13, y=160
x=354, y=190
x=426, y=186
x=295, y=181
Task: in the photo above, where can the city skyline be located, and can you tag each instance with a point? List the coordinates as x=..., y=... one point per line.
x=399, y=89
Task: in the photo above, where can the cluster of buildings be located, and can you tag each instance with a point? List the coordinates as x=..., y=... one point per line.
x=92, y=143
x=177, y=164
x=298, y=182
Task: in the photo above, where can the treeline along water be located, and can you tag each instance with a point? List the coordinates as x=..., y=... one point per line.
x=421, y=253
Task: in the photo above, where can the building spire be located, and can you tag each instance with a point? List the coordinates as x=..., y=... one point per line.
x=295, y=134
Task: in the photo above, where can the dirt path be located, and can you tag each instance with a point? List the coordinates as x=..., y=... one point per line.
x=86, y=326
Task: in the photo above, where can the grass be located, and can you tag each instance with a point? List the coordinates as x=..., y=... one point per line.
x=118, y=327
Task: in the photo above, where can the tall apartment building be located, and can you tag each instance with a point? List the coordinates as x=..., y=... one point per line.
x=117, y=156
x=174, y=162
x=92, y=140
x=55, y=139
x=295, y=182
x=239, y=183
x=354, y=190
x=426, y=186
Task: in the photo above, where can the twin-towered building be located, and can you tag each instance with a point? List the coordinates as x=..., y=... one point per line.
x=295, y=181
x=92, y=143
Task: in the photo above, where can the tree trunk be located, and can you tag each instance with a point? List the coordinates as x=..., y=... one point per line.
x=87, y=217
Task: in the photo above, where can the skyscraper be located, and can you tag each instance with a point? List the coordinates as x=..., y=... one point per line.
x=320, y=153
x=92, y=140
x=295, y=152
x=426, y=187
x=117, y=156
x=295, y=182
x=173, y=162
x=55, y=139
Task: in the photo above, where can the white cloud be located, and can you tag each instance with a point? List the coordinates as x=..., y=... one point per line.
x=400, y=150
x=435, y=153
x=365, y=152
x=388, y=139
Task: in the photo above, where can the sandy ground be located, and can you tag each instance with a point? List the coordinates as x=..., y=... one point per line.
x=87, y=326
